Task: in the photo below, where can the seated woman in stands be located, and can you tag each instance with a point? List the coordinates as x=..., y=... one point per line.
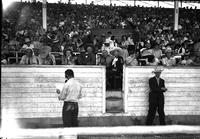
x=116, y=73
x=29, y=58
x=46, y=58
x=169, y=60
x=68, y=58
x=146, y=53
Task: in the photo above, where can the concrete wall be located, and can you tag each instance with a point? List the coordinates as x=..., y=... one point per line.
x=29, y=91
x=182, y=97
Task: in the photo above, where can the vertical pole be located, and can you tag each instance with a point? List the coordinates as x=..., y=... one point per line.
x=110, y=2
x=176, y=15
x=44, y=14
x=181, y=4
x=134, y=2
x=158, y=4
x=85, y=1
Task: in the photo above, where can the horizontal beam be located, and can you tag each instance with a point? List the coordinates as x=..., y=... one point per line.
x=131, y=130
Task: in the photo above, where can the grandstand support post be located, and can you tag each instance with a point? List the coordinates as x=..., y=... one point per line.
x=176, y=15
x=44, y=14
x=158, y=4
x=134, y=2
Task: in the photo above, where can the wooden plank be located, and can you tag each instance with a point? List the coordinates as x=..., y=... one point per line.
x=57, y=104
x=45, y=85
x=163, y=75
x=171, y=89
x=168, y=79
x=43, y=90
x=166, y=70
x=46, y=74
x=46, y=80
x=167, y=103
x=51, y=70
x=168, y=93
x=168, y=85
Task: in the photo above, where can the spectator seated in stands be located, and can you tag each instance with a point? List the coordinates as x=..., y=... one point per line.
x=46, y=58
x=116, y=73
x=67, y=57
x=187, y=61
x=29, y=58
x=124, y=46
x=169, y=60
x=131, y=60
x=146, y=54
x=157, y=52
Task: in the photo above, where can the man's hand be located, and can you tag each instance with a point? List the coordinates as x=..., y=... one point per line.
x=57, y=91
x=163, y=89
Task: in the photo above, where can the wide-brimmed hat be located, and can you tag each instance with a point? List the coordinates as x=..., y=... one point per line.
x=115, y=49
x=44, y=51
x=157, y=69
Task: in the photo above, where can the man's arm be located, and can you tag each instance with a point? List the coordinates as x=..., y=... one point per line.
x=63, y=94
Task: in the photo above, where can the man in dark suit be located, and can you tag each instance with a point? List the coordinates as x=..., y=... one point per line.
x=156, y=97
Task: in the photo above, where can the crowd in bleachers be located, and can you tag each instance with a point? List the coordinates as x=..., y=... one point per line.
x=69, y=39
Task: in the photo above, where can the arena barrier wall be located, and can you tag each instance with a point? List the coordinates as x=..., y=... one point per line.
x=182, y=97
x=29, y=91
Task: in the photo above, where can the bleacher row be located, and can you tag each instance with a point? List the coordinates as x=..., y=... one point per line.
x=17, y=55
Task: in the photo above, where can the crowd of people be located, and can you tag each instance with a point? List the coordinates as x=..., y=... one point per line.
x=69, y=33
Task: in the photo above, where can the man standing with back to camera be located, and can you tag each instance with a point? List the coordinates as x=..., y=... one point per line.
x=70, y=94
x=156, y=97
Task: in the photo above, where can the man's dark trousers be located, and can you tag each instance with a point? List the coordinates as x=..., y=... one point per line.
x=154, y=106
x=70, y=114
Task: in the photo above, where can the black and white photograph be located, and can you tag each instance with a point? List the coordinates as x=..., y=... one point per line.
x=100, y=69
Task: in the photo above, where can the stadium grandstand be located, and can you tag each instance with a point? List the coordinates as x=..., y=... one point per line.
x=112, y=46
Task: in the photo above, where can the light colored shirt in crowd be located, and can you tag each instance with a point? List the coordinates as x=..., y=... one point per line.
x=169, y=62
x=34, y=60
x=71, y=91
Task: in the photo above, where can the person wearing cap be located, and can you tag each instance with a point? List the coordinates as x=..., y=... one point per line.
x=70, y=94
x=156, y=97
x=169, y=60
x=29, y=58
x=46, y=58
